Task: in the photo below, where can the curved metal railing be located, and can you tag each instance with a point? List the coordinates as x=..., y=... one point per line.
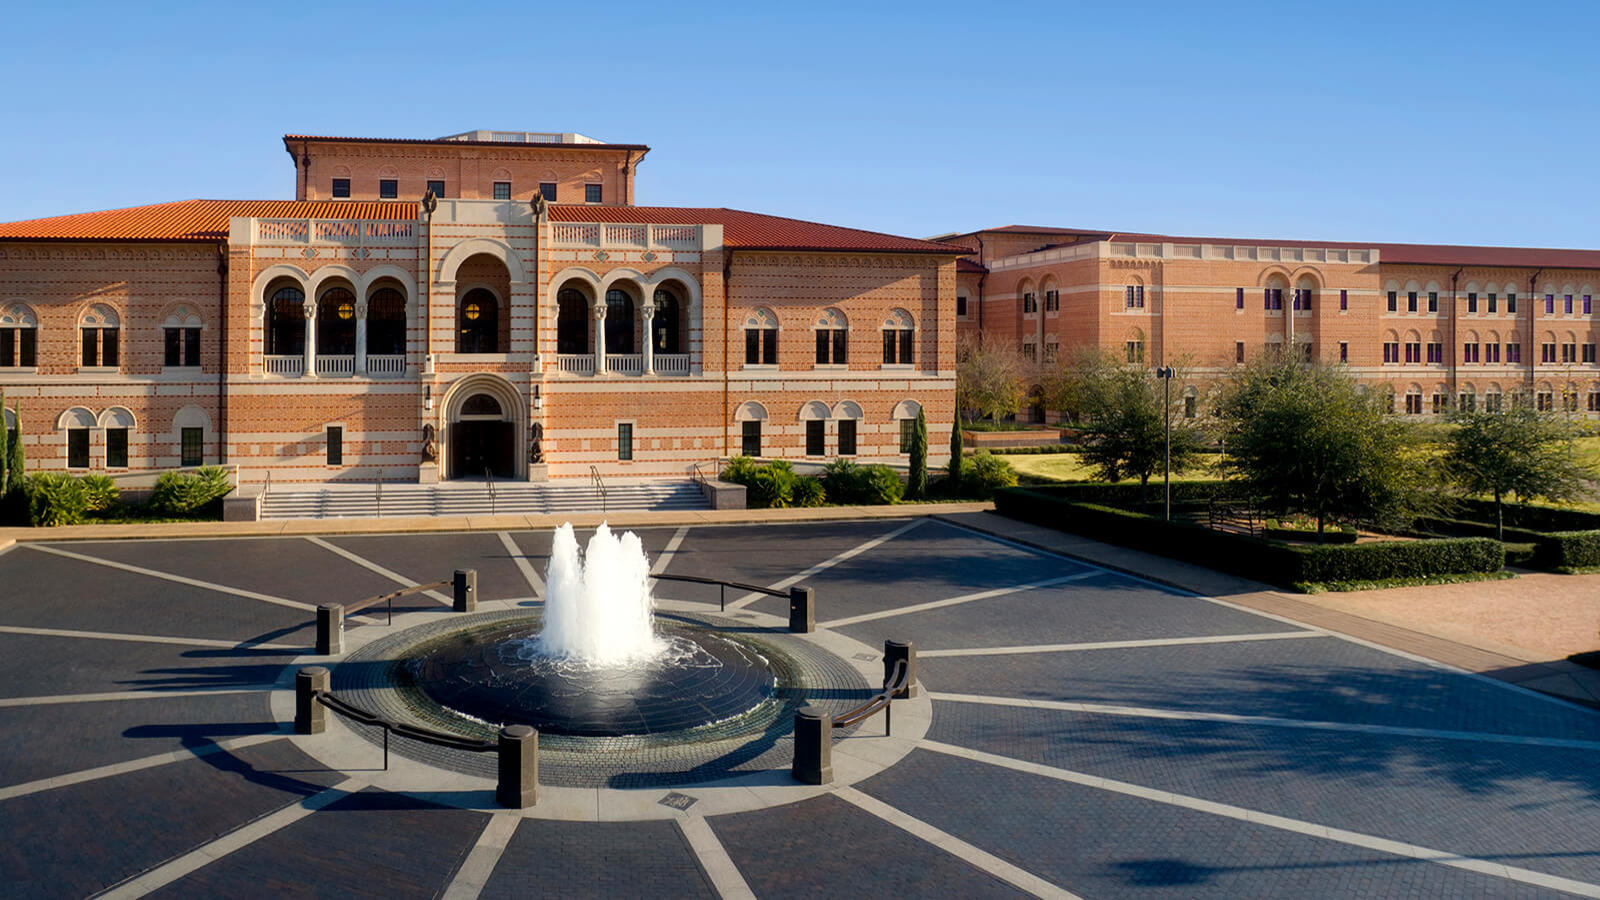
x=723, y=585
x=894, y=684
x=389, y=598
x=390, y=726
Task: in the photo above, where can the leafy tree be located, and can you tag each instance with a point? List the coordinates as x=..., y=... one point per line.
x=5, y=437
x=1307, y=438
x=1520, y=452
x=956, y=463
x=15, y=468
x=1124, y=416
x=988, y=378
x=917, y=481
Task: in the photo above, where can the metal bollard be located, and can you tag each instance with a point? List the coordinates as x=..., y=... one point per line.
x=813, y=746
x=465, y=585
x=802, y=610
x=518, y=786
x=309, y=716
x=894, y=651
x=330, y=629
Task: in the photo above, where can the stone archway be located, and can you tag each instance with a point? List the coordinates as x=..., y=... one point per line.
x=485, y=428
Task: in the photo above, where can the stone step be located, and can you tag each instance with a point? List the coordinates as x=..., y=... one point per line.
x=345, y=501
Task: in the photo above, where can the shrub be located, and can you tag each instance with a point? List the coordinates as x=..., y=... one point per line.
x=989, y=473
x=182, y=494
x=100, y=493
x=1531, y=518
x=882, y=485
x=772, y=486
x=1563, y=550
x=845, y=482
x=740, y=470
x=55, y=498
x=808, y=491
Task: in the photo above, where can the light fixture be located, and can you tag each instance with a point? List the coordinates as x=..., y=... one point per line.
x=538, y=401
x=427, y=397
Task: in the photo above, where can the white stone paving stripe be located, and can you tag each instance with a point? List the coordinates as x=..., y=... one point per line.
x=1120, y=645
x=144, y=638
x=665, y=558
x=106, y=696
x=714, y=859
x=521, y=559
x=1282, y=823
x=368, y=564
x=132, y=765
x=949, y=843
x=479, y=864
x=1108, y=709
x=238, y=839
x=952, y=601
x=167, y=576
x=826, y=564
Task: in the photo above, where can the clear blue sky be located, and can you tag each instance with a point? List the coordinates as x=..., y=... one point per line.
x=1441, y=123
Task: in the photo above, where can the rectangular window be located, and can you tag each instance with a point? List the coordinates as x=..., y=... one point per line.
x=907, y=346
x=1569, y=353
x=1052, y=350
x=1469, y=353
x=1547, y=353
x=1491, y=353
x=502, y=190
x=1414, y=352
x=1435, y=353
x=1391, y=352
x=1588, y=353
x=1588, y=305
x=1472, y=301
x=1393, y=300
x=824, y=343
x=1413, y=404
x=1344, y=300
x=1238, y=351
x=1550, y=304
x=625, y=441
x=108, y=347
x=1189, y=406
x=8, y=347
x=341, y=188
x=1433, y=301
x=840, y=346
x=77, y=448
x=750, y=442
x=91, y=347
x=908, y=429
x=1566, y=304
x=174, y=347
x=961, y=305
x=192, y=446
x=1302, y=299
x=1493, y=303
x=1135, y=351
x=1411, y=301
x=1135, y=296
x=847, y=437
x=1238, y=298
x=1468, y=402
x=816, y=437
x=890, y=348
x=1545, y=401
x=1594, y=401
x=116, y=448
x=769, y=346
x=388, y=188
x=1030, y=352
x=335, y=445
x=1344, y=351
x=752, y=347
x=191, y=346
x=592, y=193
x=437, y=187
x=1511, y=302
x=547, y=190
x=1491, y=402
x=1438, y=404
x=1514, y=353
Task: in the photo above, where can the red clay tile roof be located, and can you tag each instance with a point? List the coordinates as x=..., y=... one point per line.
x=754, y=231
x=195, y=220
x=458, y=143
x=966, y=265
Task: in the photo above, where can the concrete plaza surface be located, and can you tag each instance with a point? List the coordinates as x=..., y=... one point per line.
x=1092, y=733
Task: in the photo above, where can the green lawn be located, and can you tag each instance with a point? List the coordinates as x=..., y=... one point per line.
x=1071, y=467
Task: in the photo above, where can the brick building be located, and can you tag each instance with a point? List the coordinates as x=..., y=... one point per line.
x=1434, y=325
x=525, y=320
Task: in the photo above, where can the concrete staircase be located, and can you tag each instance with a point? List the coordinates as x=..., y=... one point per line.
x=351, y=501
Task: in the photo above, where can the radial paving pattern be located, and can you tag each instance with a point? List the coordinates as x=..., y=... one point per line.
x=1091, y=734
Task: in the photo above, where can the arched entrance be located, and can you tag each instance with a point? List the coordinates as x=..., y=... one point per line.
x=484, y=422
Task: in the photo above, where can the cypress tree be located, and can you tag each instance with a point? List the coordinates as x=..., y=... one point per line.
x=956, y=462
x=917, y=484
x=5, y=443
x=14, y=461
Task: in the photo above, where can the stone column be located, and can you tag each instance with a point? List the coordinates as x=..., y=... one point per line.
x=464, y=585
x=894, y=652
x=361, y=338
x=518, y=784
x=310, y=717
x=310, y=362
x=813, y=746
x=648, y=311
x=330, y=629
x=600, y=337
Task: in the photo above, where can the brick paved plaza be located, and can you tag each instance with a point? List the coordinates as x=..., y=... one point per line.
x=1081, y=732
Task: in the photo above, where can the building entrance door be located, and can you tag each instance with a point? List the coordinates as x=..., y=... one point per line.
x=477, y=447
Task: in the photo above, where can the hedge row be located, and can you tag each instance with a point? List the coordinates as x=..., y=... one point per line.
x=1128, y=493
x=1551, y=549
x=1532, y=518
x=1252, y=557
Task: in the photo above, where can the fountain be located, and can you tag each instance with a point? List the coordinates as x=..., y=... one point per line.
x=599, y=663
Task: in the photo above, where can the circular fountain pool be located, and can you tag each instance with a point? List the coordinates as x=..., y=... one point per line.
x=498, y=675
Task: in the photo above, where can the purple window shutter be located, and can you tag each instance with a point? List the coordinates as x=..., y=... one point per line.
x=1587, y=308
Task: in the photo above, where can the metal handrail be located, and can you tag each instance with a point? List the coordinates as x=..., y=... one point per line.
x=267, y=489
x=390, y=726
x=600, y=484
x=488, y=476
x=389, y=598
x=724, y=585
x=380, y=493
x=894, y=684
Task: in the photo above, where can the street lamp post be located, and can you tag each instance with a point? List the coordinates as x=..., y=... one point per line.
x=1165, y=373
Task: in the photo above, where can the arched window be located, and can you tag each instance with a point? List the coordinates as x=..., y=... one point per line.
x=619, y=321
x=1303, y=291
x=814, y=415
x=750, y=415
x=77, y=422
x=386, y=323
x=1467, y=399
x=481, y=405
x=99, y=329
x=191, y=424
x=1414, y=400
x=286, y=322
x=665, y=327
x=1272, y=294
x=760, y=338
x=847, y=413
x=899, y=339
x=572, y=321
x=1492, y=399
x=118, y=424
x=19, y=338
x=833, y=338
x=478, y=322
x=180, y=333
x=336, y=323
